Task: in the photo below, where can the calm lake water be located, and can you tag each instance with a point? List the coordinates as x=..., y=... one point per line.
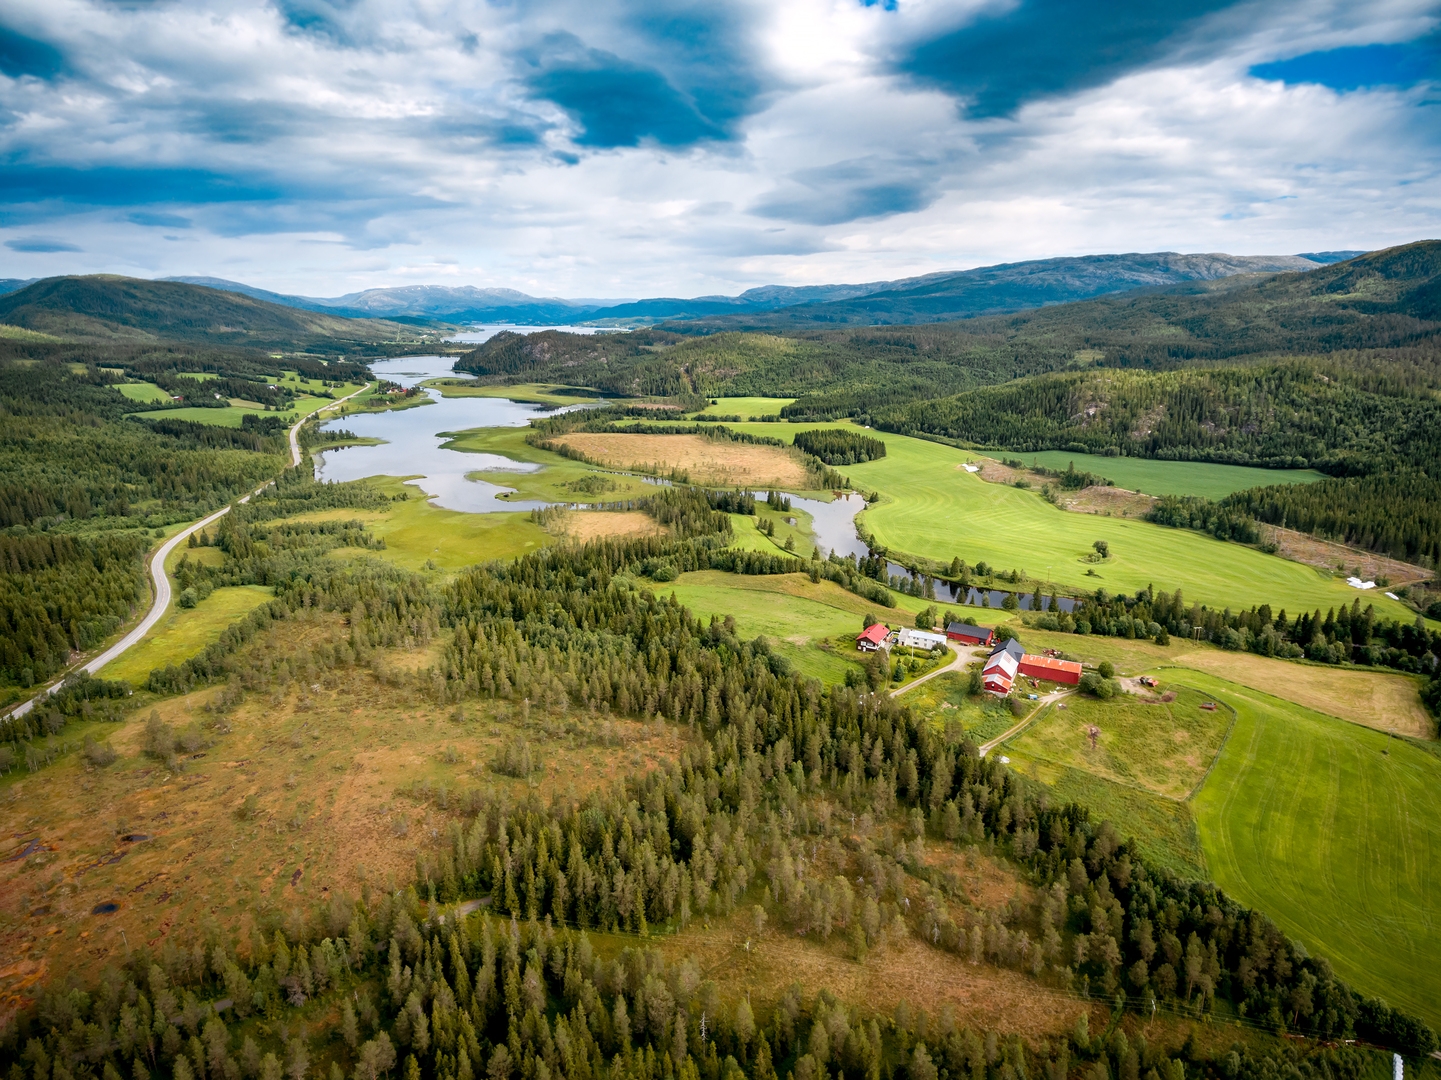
x=413, y=445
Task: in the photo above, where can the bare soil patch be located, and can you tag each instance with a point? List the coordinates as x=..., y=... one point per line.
x=707, y=461
x=1384, y=702
x=1110, y=501
x=586, y=525
x=1328, y=555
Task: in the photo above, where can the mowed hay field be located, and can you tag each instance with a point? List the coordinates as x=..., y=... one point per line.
x=1335, y=832
x=933, y=508
x=1171, y=477
x=707, y=461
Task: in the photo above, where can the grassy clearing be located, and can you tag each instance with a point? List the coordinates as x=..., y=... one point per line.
x=814, y=626
x=417, y=534
x=946, y=700
x=352, y=779
x=1171, y=477
x=232, y=415
x=1335, y=832
x=933, y=508
x=583, y=526
x=750, y=408
x=19, y=333
x=540, y=393
x=142, y=392
x=1162, y=746
x=183, y=633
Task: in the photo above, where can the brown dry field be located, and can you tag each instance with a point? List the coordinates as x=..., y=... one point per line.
x=1326, y=555
x=1384, y=702
x=586, y=525
x=333, y=775
x=1111, y=501
x=707, y=462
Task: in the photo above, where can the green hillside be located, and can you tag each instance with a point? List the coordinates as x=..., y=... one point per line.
x=107, y=307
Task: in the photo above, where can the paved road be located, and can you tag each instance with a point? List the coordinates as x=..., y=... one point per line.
x=161, y=580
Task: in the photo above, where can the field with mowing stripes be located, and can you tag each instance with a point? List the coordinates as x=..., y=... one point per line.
x=1335, y=832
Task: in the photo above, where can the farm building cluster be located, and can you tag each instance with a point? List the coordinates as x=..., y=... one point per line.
x=1007, y=662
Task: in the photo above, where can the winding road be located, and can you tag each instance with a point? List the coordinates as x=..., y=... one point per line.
x=161, y=581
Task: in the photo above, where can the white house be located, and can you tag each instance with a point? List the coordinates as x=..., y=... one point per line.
x=921, y=639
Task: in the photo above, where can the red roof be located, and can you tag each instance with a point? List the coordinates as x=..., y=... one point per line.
x=1048, y=667
x=875, y=634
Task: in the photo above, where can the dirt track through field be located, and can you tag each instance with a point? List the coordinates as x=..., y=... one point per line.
x=707, y=462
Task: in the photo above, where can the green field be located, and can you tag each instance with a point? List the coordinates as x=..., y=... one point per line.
x=540, y=393
x=1170, y=477
x=1164, y=748
x=1335, y=832
x=143, y=392
x=184, y=633
x=946, y=700
x=749, y=407
x=932, y=508
x=814, y=626
x=231, y=415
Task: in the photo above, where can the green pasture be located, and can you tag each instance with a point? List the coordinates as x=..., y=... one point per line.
x=550, y=482
x=185, y=632
x=231, y=415
x=946, y=701
x=1334, y=831
x=814, y=626
x=932, y=508
x=1164, y=748
x=142, y=392
x=749, y=407
x=540, y=393
x=1169, y=477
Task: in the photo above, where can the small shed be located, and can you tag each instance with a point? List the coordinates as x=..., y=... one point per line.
x=921, y=639
x=873, y=637
x=967, y=634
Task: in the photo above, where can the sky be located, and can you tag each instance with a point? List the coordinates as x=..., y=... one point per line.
x=628, y=148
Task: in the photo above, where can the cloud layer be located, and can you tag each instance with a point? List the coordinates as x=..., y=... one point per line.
x=616, y=147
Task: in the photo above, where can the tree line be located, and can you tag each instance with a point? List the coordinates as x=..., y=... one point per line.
x=836, y=446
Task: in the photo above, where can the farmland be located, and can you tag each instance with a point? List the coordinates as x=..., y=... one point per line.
x=932, y=508
x=1154, y=477
x=748, y=408
x=1335, y=831
x=707, y=461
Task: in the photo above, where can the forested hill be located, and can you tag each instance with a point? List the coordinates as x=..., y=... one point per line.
x=105, y=307
x=1007, y=287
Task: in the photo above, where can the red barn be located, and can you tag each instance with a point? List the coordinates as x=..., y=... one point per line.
x=1051, y=669
x=967, y=634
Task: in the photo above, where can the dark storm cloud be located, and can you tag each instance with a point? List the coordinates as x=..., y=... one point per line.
x=618, y=103
x=849, y=191
x=22, y=55
x=1049, y=48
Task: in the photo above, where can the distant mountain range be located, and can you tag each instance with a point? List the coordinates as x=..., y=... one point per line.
x=936, y=297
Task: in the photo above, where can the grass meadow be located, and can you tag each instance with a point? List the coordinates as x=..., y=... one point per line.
x=932, y=508
x=183, y=633
x=1170, y=477
x=748, y=407
x=539, y=393
x=813, y=625
x=1334, y=831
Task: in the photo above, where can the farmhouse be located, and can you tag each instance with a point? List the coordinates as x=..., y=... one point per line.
x=999, y=673
x=921, y=639
x=1048, y=667
x=873, y=637
x=967, y=634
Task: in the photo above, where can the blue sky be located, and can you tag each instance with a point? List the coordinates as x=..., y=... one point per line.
x=628, y=148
